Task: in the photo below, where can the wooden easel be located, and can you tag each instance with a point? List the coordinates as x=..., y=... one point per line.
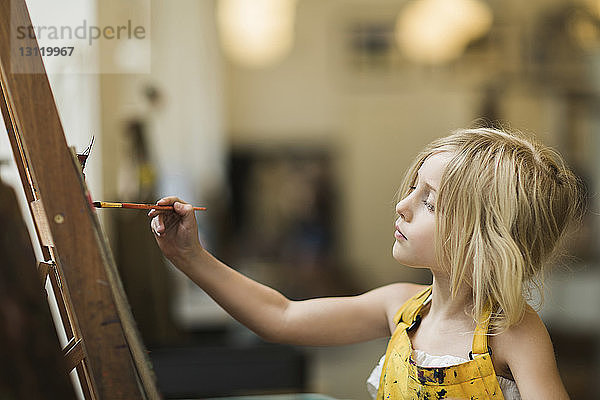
x=104, y=344
x=32, y=365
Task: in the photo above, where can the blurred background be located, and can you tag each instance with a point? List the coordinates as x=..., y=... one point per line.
x=293, y=121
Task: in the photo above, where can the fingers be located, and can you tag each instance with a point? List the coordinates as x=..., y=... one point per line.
x=156, y=227
x=162, y=220
x=179, y=206
x=176, y=202
x=169, y=200
x=183, y=208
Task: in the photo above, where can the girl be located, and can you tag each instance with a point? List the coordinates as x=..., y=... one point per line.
x=483, y=210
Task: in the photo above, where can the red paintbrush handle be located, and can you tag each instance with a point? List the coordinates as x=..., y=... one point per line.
x=153, y=206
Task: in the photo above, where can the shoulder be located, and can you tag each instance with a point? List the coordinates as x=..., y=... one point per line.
x=525, y=351
x=394, y=295
x=526, y=338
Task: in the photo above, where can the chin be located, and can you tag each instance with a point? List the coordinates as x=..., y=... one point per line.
x=412, y=265
x=399, y=255
x=399, y=252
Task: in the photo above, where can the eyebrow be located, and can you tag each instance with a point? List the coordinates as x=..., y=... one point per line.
x=428, y=184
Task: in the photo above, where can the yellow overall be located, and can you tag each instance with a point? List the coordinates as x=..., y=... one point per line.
x=402, y=379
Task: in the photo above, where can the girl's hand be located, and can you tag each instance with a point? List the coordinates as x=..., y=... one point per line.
x=176, y=232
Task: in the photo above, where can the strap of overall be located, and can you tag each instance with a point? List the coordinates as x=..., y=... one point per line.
x=482, y=354
x=480, y=338
x=407, y=313
x=403, y=319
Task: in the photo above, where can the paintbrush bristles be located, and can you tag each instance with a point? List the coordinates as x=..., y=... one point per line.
x=106, y=204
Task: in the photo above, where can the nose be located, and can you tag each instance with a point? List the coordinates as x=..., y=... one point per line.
x=403, y=209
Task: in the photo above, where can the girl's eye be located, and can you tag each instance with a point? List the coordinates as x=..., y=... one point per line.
x=429, y=206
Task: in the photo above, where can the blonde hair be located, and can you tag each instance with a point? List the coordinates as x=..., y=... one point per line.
x=504, y=204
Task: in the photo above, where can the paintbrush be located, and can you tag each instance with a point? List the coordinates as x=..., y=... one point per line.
x=138, y=206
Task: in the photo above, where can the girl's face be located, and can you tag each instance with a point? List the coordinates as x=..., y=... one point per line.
x=416, y=226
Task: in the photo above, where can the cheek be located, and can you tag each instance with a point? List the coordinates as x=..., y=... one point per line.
x=426, y=239
x=427, y=230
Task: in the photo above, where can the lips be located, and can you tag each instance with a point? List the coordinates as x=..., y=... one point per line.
x=399, y=235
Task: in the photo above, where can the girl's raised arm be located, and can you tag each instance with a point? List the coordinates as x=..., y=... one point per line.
x=323, y=321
